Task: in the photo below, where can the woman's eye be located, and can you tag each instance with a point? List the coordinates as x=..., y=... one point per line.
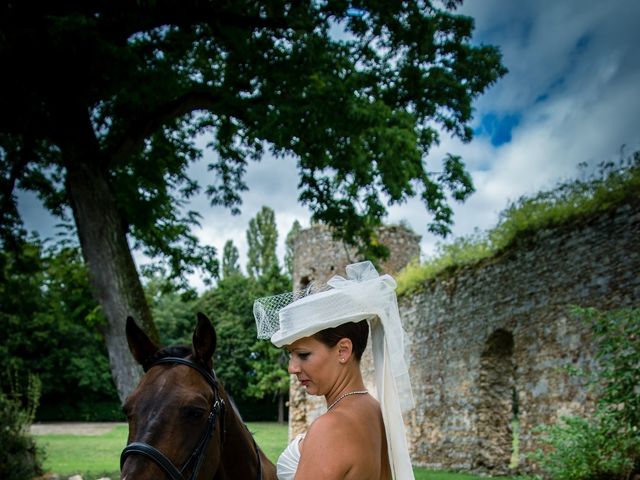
x=304, y=355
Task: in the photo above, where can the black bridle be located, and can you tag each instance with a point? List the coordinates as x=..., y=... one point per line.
x=197, y=457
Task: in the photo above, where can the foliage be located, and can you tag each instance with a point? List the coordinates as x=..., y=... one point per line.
x=570, y=201
x=105, y=102
x=251, y=371
x=289, y=241
x=270, y=367
x=607, y=445
x=230, y=257
x=461, y=251
x=172, y=308
x=262, y=238
x=19, y=457
x=612, y=185
x=241, y=364
x=585, y=449
x=230, y=308
x=52, y=328
x=268, y=363
x=617, y=334
x=135, y=85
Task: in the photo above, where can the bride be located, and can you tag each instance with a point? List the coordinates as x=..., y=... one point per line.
x=361, y=436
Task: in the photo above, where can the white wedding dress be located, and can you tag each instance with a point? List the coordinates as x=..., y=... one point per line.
x=287, y=464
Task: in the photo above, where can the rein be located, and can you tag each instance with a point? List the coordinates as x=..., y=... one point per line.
x=197, y=456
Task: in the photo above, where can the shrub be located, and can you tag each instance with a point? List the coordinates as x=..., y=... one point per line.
x=606, y=446
x=19, y=457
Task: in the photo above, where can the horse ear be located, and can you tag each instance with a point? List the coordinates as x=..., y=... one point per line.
x=140, y=345
x=204, y=340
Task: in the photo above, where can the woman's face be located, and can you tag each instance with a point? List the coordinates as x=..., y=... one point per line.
x=315, y=364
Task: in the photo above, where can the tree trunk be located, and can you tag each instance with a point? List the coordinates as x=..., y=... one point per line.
x=112, y=272
x=280, y=407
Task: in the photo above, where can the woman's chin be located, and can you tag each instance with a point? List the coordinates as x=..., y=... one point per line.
x=311, y=390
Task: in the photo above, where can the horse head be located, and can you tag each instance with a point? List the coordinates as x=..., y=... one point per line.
x=179, y=423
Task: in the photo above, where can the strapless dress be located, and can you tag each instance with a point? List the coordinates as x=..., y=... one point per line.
x=288, y=461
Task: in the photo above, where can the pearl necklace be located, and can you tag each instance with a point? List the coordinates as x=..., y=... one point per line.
x=355, y=392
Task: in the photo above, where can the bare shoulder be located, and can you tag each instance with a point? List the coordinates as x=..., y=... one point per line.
x=327, y=450
x=328, y=431
x=345, y=444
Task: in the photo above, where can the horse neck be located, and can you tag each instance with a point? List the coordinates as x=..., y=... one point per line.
x=239, y=459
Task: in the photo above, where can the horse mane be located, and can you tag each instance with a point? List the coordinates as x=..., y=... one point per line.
x=234, y=407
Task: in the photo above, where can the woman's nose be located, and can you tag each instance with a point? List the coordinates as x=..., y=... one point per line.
x=293, y=366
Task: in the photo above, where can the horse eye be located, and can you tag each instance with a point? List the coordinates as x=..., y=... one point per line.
x=192, y=412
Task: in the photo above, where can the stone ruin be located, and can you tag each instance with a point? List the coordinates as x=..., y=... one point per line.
x=490, y=343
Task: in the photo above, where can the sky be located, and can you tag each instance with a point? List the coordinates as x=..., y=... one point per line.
x=572, y=96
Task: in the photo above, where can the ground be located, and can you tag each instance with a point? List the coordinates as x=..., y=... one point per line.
x=74, y=428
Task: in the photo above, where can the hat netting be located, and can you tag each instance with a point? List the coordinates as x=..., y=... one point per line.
x=266, y=309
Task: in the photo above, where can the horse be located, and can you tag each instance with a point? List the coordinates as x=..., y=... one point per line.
x=182, y=423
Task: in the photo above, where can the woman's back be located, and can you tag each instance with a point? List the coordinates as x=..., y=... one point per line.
x=346, y=443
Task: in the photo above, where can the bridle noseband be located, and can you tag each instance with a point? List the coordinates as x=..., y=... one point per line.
x=197, y=457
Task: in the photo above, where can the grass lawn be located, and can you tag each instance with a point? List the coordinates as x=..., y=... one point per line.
x=92, y=456
x=95, y=456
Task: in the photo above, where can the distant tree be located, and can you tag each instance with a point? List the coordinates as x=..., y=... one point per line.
x=50, y=322
x=230, y=257
x=288, y=253
x=172, y=307
x=104, y=101
x=230, y=307
x=268, y=363
x=262, y=237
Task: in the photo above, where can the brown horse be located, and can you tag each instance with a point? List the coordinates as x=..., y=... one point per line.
x=182, y=424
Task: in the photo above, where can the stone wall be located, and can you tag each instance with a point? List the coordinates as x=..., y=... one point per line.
x=498, y=335
x=493, y=338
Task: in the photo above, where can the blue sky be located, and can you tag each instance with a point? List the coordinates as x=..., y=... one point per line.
x=571, y=96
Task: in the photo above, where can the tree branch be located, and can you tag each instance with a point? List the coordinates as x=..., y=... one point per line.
x=190, y=102
x=18, y=162
x=131, y=17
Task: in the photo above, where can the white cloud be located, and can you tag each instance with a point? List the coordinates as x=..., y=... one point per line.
x=272, y=182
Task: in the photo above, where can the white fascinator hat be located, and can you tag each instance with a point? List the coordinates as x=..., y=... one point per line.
x=363, y=295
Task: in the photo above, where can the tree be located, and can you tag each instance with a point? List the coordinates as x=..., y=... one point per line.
x=268, y=362
x=230, y=307
x=104, y=101
x=50, y=325
x=268, y=367
x=262, y=237
x=230, y=258
x=290, y=240
x=172, y=307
